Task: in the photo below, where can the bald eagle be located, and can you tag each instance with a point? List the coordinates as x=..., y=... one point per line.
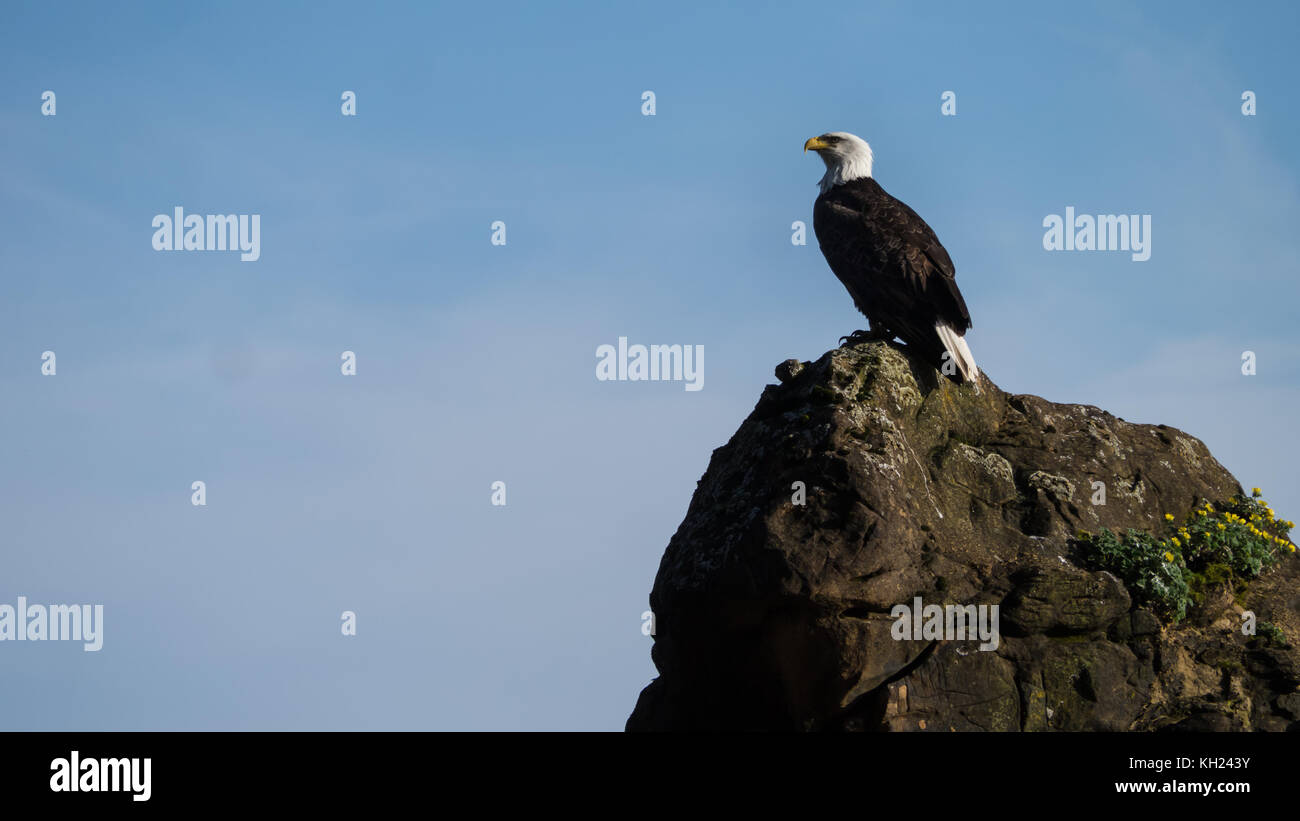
x=890, y=261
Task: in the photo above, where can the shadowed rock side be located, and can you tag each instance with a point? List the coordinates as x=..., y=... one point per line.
x=775, y=616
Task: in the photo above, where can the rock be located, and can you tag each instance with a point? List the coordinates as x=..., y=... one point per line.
x=1063, y=601
x=1144, y=623
x=1289, y=705
x=772, y=615
x=788, y=370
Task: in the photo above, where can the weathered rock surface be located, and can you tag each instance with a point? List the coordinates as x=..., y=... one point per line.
x=771, y=615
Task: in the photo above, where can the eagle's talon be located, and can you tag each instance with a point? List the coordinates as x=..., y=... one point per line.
x=864, y=336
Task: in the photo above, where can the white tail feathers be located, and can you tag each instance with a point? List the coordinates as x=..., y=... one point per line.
x=957, y=348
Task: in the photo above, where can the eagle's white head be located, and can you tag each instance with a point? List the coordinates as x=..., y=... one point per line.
x=847, y=157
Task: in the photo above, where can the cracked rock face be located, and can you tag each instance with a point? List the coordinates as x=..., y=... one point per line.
x=774, y=615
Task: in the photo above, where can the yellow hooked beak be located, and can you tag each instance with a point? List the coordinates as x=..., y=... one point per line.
x=816, y=144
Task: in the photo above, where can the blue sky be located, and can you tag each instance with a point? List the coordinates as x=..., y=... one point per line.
x=476, y=363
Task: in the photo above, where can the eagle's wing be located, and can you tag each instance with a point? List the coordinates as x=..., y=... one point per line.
x=931, y=274
x=888, y=258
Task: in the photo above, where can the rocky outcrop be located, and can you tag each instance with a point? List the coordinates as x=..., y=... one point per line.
x=771, y=614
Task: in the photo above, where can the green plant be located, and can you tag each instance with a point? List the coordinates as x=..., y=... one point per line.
x=1150, y=572
x=1245, y=535
x=1271, y=634
x=1227, y=545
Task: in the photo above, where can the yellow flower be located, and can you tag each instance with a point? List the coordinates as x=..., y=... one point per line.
x=1169, y=517
x=1255, y=491
x=1222, y=526
x=1169, y=557
x=1176, y=543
